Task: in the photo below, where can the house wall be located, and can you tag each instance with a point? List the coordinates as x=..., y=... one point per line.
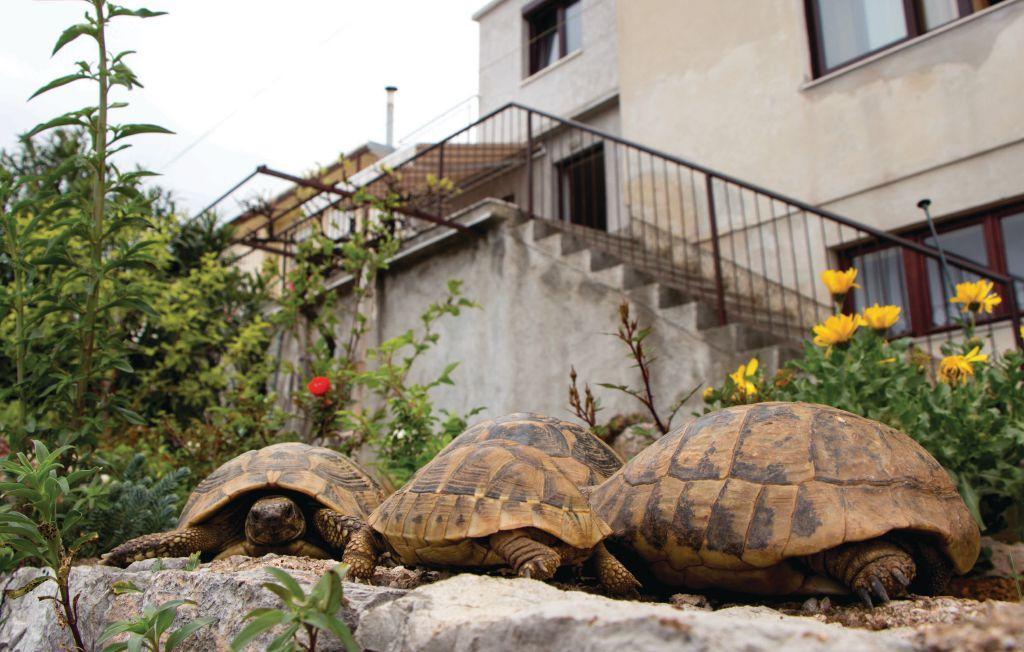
x=574, y=84
x=727, y=84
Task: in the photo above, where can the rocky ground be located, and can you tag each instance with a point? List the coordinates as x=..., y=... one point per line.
x=425, y=610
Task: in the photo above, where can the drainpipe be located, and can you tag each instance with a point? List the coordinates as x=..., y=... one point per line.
x=391, y=114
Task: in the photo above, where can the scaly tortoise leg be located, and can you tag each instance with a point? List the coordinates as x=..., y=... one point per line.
x=335, y=528
x=528, y=557
x=361, y=553
x=614, y=577
x=207, y=538
x=875, y=566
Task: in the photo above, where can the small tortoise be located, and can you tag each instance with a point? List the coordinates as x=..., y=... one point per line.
x=263, y=501
x=576, y=451
x=791, y=498
x=487, y=503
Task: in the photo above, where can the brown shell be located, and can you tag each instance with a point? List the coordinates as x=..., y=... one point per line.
x=749, y=486
x=575, y=450
x=320, y=473
x=475, y=491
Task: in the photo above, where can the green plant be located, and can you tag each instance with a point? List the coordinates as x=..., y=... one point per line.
x=135, y=504
x=41, y=535
x=146, y=631
x=311, y=614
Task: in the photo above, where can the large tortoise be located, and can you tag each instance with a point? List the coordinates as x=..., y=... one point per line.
x=576, y=451
x=487, y=503
x=791, y=498
x=288, y=498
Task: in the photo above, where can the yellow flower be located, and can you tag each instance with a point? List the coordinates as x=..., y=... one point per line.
x=881, y=318
x=740, y=376
x=707, y=394
x=955, y=369
x=839, y=282
x=976, y=297
x=887, y=361
x=837, y=329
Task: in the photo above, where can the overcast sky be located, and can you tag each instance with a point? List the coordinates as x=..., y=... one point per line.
x=290, y=84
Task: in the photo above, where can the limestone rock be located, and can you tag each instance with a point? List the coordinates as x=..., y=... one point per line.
x=227, y=589
x=469, y=612
x=634, y=439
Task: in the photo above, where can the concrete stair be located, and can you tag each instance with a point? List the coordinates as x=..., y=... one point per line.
x=737, y=341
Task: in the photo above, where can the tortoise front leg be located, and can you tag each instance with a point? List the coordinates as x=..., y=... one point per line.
x=875, y=566
x=361, y=553
x=614, y=577
x=528, y=557
x=206, y=538
x=335, y=528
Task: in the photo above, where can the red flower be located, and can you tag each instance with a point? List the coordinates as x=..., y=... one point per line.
x=319, y=386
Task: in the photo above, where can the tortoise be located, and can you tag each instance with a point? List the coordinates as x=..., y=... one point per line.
x=791, y=498
x=487, y=503
x=576, y=451
x=288, y=498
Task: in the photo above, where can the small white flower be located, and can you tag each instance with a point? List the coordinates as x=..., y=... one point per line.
x=399, y=434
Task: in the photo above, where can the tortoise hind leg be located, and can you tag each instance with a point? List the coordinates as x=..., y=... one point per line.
x=208, y=537
x=527, y=556
x=613, y=576
x=874, y=567
x=335, y=528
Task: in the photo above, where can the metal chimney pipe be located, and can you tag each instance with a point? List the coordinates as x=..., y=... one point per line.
x=391, y=114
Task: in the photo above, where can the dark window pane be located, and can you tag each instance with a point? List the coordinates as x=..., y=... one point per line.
x=1013, y=236
x=582, y=189
x=967, y=243
x=543, y=39
x=934, y=13
x=851, y=28
x=573, y=28
x=881, y=277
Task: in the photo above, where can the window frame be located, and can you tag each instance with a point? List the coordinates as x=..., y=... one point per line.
x=530, y=12
x=915, y=27
x=915, y=268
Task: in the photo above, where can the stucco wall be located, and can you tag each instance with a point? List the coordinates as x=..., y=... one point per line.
x=726, y=84
x=573, y=84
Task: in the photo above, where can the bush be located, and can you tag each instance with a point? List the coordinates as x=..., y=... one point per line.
x=966, y=409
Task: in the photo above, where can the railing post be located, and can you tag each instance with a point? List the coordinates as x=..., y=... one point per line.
x=716, y=252
x=529, y=164
x=440, y=175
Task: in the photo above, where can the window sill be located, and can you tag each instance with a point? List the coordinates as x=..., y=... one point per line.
x=902, y=45
x=543, y=71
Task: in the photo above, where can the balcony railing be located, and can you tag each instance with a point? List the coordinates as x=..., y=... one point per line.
x=753, y=254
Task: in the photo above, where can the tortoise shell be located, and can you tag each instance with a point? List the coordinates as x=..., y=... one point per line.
x=474, y=491
x=579, y=453
x=748, y=487
x=320, y=473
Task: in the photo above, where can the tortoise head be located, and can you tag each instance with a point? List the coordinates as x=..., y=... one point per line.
x=274, y=520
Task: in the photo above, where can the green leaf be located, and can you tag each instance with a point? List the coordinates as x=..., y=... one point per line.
x=27, y=588
x=67, y=120
x=124, y=131
x=71, y=33
x=57, y=83
x=287, y=581
x=125, y=586
x=130, y=416
x=265, y=621
x=176, y=637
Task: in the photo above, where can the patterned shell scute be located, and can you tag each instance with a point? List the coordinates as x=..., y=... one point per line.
x=493, y=486
x=320, y=473
x=576, y=451
x=749, y=486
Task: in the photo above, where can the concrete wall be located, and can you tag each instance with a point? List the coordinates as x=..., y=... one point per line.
x=727, y=84
x=577, y=82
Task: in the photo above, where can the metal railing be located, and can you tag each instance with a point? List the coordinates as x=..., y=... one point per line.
x=753, y=254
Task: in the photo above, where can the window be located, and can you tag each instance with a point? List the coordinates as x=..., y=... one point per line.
x=916, y=283
x=555, y=30
x=581, y=189
x=843, y=31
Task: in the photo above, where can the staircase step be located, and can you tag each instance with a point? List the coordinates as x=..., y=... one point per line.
x=691, y=316
x=737, y=336
x=542, y=229
x=658, y=295
x=621, y=276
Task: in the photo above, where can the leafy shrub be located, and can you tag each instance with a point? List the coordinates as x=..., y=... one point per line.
x=966, y=410
x=146, y=631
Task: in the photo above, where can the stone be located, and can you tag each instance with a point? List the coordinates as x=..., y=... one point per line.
x=686, y=601
x=227, y=589
x=634, y=439
x=470, y=612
